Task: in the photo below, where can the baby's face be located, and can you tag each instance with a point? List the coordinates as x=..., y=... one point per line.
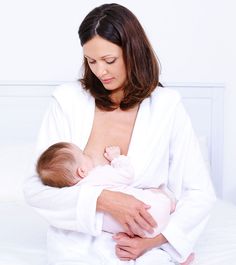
x=84, y=162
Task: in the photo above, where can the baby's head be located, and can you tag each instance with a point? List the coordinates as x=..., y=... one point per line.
x=63, y=164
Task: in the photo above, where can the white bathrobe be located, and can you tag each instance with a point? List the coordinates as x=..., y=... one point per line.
x=163, y=150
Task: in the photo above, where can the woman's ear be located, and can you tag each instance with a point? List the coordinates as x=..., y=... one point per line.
x=81, y=172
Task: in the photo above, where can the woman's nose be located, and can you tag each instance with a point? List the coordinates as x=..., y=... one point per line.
x=101, y=71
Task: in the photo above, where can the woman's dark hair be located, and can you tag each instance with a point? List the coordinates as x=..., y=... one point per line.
x=120, y=26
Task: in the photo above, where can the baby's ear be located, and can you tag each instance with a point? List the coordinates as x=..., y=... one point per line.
x=106, y=155
x=81, y=172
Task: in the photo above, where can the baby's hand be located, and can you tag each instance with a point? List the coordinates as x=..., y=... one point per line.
x=111, y=152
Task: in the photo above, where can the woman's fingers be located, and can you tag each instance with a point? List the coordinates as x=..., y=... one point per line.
x=147, y=216
x=129, y=248
x=123, y=242
x=122, y=254
x=145, y=223
x=141, y=221
x=135, y=228
x=127, y=230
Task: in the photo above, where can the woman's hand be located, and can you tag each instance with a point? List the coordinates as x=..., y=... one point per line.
x=130, y=212
x=130, y=248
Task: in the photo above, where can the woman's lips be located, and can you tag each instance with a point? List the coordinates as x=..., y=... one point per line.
x=107, y=81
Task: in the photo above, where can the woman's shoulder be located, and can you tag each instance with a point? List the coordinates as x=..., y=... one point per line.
x=73, y=93
x=70, y=90
x=166, y=93
x=162, y=96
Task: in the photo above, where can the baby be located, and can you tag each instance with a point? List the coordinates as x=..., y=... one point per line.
x=64, y=164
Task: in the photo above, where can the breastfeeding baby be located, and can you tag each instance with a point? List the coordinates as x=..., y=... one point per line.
x=64, y=164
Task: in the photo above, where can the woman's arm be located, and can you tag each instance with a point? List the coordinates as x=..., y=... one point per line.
x=190, y=181
x=62, y=208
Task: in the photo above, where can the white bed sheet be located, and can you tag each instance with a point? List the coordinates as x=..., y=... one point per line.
x=217, y=245
x=23, y=236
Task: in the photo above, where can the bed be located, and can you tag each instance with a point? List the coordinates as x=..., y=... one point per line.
x=23, y=231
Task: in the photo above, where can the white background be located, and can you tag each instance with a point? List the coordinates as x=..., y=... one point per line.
x=194, y=40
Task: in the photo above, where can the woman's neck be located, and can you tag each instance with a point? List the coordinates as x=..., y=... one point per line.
x=117, y=96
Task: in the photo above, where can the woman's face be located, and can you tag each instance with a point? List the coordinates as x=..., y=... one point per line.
x=105, y=60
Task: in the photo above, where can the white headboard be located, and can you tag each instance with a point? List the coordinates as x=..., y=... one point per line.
x=22, y=106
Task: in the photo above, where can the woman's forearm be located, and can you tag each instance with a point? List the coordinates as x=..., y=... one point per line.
x=156, y=241
x=103, y=202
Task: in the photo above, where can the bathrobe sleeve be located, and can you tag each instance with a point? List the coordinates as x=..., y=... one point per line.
x=190, y=181
x=65, y=208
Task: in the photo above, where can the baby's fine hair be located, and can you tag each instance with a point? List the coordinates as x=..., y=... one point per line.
x=56, y=164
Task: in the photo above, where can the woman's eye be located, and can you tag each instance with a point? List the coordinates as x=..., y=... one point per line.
x=111, y=61
x=91, y=62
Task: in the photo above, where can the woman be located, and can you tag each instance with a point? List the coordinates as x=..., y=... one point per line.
x=118, y=102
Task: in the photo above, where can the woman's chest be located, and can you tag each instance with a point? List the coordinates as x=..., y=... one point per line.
x=110, y=128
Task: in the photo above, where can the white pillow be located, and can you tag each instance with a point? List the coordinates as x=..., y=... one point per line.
x=15, y=159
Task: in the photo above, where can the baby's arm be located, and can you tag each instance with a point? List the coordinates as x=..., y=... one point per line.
x=120, y=163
